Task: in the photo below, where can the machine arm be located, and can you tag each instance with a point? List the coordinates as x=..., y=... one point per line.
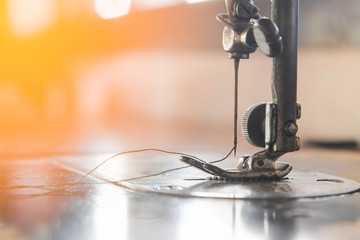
x=269, y=125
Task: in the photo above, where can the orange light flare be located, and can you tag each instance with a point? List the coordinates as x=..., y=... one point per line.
x=48, y=45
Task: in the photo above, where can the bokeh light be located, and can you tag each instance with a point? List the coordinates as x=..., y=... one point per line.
x=112, y=8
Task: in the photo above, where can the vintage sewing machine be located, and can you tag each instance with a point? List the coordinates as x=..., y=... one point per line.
x=269, y=125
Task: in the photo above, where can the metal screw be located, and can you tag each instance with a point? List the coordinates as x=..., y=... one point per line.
x=260, y=163
x=290, y=129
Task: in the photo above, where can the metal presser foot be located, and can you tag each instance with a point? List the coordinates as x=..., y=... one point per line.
x=269, y=125
x=260, y=165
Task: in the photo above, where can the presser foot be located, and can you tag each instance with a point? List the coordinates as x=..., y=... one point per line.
x=259, y=166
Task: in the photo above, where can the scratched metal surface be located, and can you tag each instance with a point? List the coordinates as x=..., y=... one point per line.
x=36, y=203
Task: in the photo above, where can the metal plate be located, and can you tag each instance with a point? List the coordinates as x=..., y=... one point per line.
x=37, y=203
x=191, y=182
x=297, y=185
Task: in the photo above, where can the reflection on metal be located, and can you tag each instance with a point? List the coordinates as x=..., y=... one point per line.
x=136, y=172
x=268, y=125
x=260, y=165
x=99, y=210
x=297, y=185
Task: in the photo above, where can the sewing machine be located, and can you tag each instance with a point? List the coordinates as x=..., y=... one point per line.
x=150, y=194
x=269, y=125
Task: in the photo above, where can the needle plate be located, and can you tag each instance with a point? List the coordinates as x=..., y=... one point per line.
x=296, y=185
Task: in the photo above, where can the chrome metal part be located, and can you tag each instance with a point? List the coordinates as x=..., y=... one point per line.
x=237, y=43
x=297, y=185
x=259, y=124
x=238, y=36
x=245, y=30
x=270, y=124
x=260, y=165
x=253, y=125
x=267, y=37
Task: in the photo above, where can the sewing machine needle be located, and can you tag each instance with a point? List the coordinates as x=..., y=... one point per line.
x=236, y=68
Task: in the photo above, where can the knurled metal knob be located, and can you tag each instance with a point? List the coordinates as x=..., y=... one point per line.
x=253, y=125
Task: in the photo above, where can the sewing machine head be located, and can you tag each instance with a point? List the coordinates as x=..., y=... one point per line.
x=245, y=30
x=270, y=125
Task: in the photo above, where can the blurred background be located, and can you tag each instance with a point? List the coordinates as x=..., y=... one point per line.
x=113, y=75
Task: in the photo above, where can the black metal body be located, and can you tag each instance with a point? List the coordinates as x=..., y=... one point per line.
x=284, y=79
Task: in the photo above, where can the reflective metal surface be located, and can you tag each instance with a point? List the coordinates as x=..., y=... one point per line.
x=188, y=182
x=297, y=185
x=36, y=203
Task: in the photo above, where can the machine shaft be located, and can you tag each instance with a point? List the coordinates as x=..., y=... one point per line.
x=284, y=78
